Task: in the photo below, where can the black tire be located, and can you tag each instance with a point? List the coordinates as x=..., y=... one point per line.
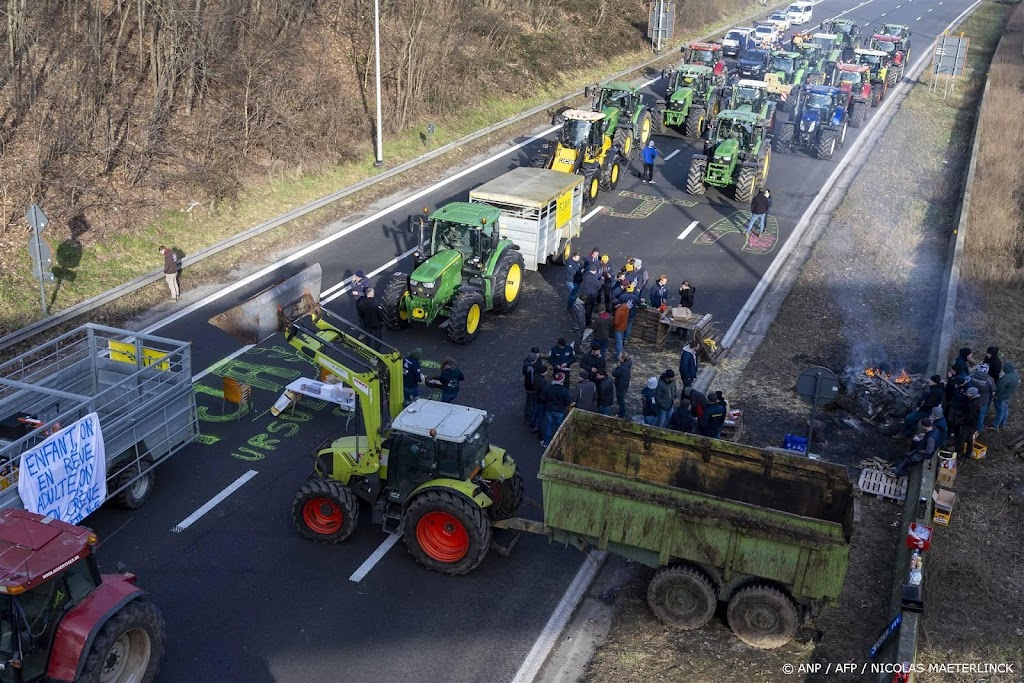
x=657, y=122
x=128, y=647
x=564, y=252
x=392, y=310
x=643, y=129
x=425, y=522
x=138, y=491
x=623, y=142
x=858, y=112
x=510, y=268
x=891, y=78
x=783, y=136
x=325, y=511
x=611, y=173
x=876, y=94
x=682, y=597
x=763, y=617
x=463, y=324
x=693, y=127
x=507, y=496
x=745, y=184
x=591, y=187
x=695, y=177
x=827, y=143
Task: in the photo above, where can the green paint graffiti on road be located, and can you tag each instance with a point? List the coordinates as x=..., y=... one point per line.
x=735, y=224
x=647, y=206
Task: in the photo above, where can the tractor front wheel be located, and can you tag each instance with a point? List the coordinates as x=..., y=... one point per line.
x=642, y=127
x=128, y=648
x=508, y=281
x=876, y=95
x=694, y=125
x=392, y=302
x=744, y=190
x=682, y=597
x=783, y=137
x=506, y=497
x=325, y=511
x=858, y=112
x=591, y=186
x=657, y=122
x=446, y=532
x=826, y=146
x=466, y=316
x=763, y=617
x=610, y=176
x=695, y=178
x=624, y=142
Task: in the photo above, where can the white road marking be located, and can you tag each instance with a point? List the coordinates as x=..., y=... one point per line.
x=918, y=19
x=866, y=2
x=364, y=569
x=225, y=359
x=689, y=229
x=213, y=502
x=930, y=9
x=672, y=155
x=884, y=13
x=559, y=618
x=312, y=248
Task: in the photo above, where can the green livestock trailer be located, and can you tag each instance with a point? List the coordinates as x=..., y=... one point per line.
x=766, y=532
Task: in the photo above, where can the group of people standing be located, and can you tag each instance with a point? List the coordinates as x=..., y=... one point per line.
x=952, y=410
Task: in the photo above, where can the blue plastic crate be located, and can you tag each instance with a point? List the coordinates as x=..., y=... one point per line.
x=795, y=443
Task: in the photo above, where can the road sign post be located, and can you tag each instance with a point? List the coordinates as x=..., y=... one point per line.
x=40, y=251
x=817, y=386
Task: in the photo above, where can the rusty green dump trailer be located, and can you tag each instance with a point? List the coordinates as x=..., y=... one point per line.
x=766, y=533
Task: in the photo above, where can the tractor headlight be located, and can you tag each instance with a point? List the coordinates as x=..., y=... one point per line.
x=428, y=285
x=726, y=160
x=807, y=126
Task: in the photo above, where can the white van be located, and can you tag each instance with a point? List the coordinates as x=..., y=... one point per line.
x=799, y=13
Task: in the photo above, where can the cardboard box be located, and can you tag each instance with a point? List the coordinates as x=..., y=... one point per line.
x=944, y=500
x=947, y=469
x=681, y=313
x=979, y=452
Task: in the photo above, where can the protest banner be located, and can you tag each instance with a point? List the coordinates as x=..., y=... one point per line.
x=65, y=476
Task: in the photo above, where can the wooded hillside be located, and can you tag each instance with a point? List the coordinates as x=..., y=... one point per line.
x=112, y=110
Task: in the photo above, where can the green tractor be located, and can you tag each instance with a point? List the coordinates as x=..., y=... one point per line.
x=789, y=70
x=692, y=99
x=737, y=152
x=848, y=33
x=466, y=267
x=831, y=50
x=814, y=58
x=428, y=471
x=624, y=110
x=753, y=97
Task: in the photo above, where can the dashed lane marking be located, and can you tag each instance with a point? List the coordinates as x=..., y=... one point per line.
x=688, y=230
x=382, y=550
x=213, y=502
x=672, y=155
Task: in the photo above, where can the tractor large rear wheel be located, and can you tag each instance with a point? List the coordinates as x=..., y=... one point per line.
x=446, y=532
x=624, y=142
x=694, y=125
x=508, y=281
x=128, y=648
x=695, y=178
x=658, y=122
x=392, y=302
x=783, y=136
x=466, y=317
x=858, y=112
x=682, y=597
x=745, y=183
x=827, y=143
x=642, y=128
x=507, y=496
x=325, y=511
x=611, y=174
x=876, y=95
x=763, y=617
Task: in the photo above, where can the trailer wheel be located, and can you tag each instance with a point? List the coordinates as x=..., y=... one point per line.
x=564, y=251
x=506, y=497
x=446, y=532
x=138, y=491
x=682, y=597
x=129, y=646
x=763, y=617
x=325, y=511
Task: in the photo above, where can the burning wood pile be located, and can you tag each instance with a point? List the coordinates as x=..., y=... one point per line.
x=882, y=398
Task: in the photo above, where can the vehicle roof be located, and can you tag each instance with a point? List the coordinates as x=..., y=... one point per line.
x=741, y=29
x=582, y=115
x=466, y=213
x=452, y=422
x=845, y=66
x=886, y=37
x=737, y=115
x=786, y=53
x=823, y=89
x=804, y=5
x=704, y=46
x=620, y=85
x=695, y=69
x=751, y=83
x=766, y=24
x=875, y=53
x=825, y=35
x=526, y=186
x=842, y=21
x=33, y=548
x=780, y=12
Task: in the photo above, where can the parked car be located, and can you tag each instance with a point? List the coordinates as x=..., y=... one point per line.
x=780, y=19
x=753, y=64
x=766, y=35
x=737, y=41
x=799, y=13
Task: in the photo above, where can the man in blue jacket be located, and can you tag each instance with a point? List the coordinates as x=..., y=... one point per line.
x=649, y=154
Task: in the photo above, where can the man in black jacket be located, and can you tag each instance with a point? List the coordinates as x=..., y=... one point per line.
x=622, y=374
x=369, y=315
x=758, y=211
x=682, y=419
x=966, y=423
x=593, y=361
x=533, y=366
x=556, y=403
x=713, y=419
x=923, y=449
x=605, y=392
x=584, y=394
x=932, y=397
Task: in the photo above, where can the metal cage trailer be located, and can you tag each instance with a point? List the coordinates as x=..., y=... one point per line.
x=138, y=385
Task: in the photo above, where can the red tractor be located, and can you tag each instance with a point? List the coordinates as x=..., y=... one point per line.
x=856, y=80
x=707, y=54
x=60, y=619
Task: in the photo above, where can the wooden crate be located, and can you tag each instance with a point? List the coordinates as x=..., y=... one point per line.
x=882, y=485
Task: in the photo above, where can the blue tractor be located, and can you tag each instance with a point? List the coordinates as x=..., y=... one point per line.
x=818, y=123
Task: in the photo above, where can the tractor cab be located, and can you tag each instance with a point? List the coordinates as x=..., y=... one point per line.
x=844, y=27
x=751, y=96
x=622, y=98
x=894, y=46
x=705, y=54
x=853, y=78
x=431, y=440
x=788, y=65
x=821, y=99
x=582, y=129
x=898, y=30
x=874, y=59
x=826, y=41
x=692, y=77
x=463, y=227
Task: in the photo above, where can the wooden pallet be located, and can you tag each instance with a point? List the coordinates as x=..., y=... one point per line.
x=882, y=485
x=733, y=431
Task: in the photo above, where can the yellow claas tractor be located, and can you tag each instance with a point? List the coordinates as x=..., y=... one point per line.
x=428, y=472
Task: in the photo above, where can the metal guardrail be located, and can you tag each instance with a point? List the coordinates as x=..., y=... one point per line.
x=95, y=302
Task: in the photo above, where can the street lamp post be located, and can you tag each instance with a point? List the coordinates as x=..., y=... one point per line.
x=376, y=56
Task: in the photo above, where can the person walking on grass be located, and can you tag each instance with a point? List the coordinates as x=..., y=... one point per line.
x=758, y=211
x=171, y=271
x=622, y=375
x=649, y=154
x=1006, y=387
